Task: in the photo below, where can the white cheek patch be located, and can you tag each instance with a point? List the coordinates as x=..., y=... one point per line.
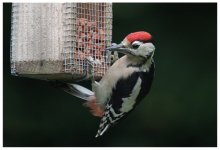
x=145, y=49
x=129, y=102
x=149, y=47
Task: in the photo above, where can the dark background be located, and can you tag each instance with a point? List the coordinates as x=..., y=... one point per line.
x=181, y=109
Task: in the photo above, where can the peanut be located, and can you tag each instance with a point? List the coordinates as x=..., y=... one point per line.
x=90, y=41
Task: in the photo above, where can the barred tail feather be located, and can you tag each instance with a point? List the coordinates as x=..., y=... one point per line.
x=103, y=127
x=109, y=118
x=100, y=132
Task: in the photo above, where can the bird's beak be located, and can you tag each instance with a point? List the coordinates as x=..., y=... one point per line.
x=119, y=48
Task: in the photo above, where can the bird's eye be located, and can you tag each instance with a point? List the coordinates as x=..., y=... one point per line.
x=136, y=44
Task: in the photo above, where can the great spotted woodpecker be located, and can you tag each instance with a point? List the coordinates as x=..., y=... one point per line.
x=125, y=84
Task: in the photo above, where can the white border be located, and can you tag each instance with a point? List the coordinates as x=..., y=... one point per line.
x=1, y=77
x=59, y=1
x=114, y=1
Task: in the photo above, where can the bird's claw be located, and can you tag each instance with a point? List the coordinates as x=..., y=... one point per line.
x=114, y=57
x=91, y=63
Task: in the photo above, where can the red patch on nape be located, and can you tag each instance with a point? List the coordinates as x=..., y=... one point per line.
x=140, y=35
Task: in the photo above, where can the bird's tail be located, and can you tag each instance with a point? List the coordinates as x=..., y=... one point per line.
x=75, y=90
x=78, y=91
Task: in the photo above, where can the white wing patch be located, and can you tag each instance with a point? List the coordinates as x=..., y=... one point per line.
x=129, y=102
x=117, y=71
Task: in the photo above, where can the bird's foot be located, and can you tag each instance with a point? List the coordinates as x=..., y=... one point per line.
x=91, y=63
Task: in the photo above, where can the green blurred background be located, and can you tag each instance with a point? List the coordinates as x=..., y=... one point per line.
x=180, y=110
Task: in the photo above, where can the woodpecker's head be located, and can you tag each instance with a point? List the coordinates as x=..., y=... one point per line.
x=138, y=44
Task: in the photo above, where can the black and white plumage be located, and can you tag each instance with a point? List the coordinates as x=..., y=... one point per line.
x=126, y=92
x=127, y=81
x=124, y=85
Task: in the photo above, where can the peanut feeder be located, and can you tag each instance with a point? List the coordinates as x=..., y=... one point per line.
x=52, y=41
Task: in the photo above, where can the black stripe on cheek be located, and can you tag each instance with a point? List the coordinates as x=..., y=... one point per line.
x=134, y=65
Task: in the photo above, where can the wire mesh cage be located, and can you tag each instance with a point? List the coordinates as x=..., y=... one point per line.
x=53, y=41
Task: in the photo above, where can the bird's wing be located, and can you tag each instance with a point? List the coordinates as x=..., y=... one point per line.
x=125, y=96
x=121, y=102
